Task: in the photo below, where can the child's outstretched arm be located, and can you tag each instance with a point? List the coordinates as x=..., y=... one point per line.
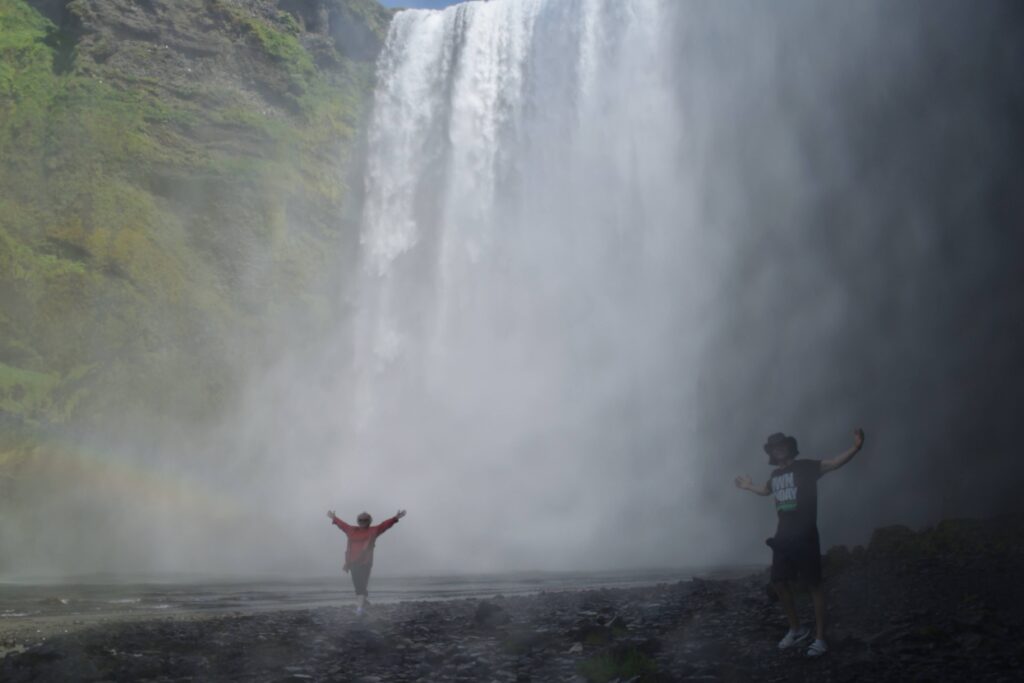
x=388, y=523
x=840, y=460
x=338, y=522
x=747, y=484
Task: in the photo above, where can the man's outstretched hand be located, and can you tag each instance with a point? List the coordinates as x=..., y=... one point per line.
x=330, y=515
x=835, y=463
x=400, y=514
x=743, y=482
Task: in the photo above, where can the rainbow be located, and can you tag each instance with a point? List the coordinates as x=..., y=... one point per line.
x=118, y=473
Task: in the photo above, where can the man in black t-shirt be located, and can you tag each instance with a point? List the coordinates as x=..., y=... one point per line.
x=796, y=553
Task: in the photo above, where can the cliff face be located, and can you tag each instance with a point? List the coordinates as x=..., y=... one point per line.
x=173, y=179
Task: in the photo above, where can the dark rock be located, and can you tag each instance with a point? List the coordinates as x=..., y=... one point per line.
x=836, y=560
x=617, y=623
x=489, y=615
x=366, y=640
x=891, y=540
x=523, y=641
x=592, y=634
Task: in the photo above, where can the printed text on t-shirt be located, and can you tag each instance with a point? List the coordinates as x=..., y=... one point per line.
x=784, y=488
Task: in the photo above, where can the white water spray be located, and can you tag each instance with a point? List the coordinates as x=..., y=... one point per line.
x=526, y=200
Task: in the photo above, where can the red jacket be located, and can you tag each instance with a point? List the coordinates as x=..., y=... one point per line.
x=361, y=540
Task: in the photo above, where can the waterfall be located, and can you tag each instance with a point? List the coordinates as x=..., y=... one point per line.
x=521, y=161
x=606, y=247
x=525, y=199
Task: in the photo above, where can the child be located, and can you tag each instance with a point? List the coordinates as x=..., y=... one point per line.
x=359, y=553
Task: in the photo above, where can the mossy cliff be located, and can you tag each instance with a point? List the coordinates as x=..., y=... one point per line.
x=173, y=179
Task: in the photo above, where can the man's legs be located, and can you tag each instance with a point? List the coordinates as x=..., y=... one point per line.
x=787, y=566
x=796, y=633
x=786, y=598
x=818, y=594
x=811, y=572
x=784, y=570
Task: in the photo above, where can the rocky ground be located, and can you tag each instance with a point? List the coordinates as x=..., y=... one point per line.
x=941, y=605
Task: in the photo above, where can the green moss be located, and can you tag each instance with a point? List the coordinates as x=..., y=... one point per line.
x=134, y=207
x=375, y=15
x=27, y=82
x=282, y=46
x=630, y=664
x=25, y=393
x=289, y=23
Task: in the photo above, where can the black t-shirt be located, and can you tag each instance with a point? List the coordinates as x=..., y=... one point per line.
x=795, y=488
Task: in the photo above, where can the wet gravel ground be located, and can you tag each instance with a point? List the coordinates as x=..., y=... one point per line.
x=908, y=608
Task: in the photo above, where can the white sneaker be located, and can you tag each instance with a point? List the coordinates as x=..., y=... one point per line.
x=793, y=637
x=360, y=611
x=817, y=648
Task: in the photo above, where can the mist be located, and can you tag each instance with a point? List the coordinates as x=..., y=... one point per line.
x=605, y=248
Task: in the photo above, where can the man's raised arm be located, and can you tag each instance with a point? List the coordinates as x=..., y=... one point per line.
x=747, y=484
x=840, y=460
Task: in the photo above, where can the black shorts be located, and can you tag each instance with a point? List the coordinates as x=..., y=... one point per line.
x=360, y=577
x=796, y=559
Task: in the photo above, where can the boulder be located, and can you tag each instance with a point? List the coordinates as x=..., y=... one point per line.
x=490, y=615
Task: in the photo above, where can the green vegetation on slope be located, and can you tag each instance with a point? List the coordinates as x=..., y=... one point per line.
x=172, y=179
